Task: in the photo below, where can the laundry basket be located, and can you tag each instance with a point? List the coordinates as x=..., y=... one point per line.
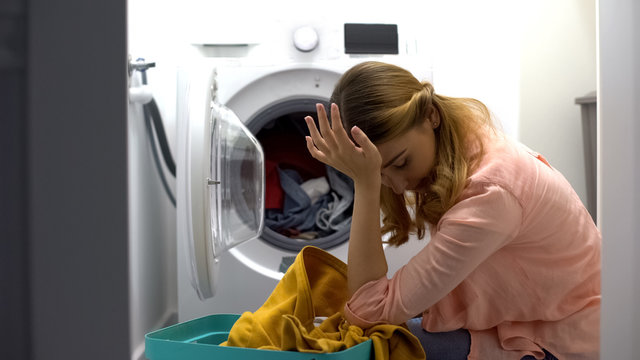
x=198, y=340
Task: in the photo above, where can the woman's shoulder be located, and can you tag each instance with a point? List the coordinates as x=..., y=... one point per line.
x=507, y=163
x=498, y=150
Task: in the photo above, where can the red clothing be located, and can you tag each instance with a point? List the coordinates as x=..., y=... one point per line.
x=516, y=262
x=274, y=195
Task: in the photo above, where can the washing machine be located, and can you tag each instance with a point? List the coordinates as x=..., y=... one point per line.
x=236, y=116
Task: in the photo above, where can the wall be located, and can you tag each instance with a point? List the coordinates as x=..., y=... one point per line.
x=558, y=64
x=14, y=276
x=475, y=47
x=152, y=217
x=619, y=176
x=152, y=228
x=76, y=181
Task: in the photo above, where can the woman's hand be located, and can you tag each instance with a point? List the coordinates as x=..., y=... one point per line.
x=361, y=162
x=331, y=145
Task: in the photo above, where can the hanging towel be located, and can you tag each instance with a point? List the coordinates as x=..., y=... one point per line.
x=315, y=285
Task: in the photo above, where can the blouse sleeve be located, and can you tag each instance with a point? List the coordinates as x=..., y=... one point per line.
x=487, y=218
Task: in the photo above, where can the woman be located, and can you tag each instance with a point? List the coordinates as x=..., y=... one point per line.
x=512, y=268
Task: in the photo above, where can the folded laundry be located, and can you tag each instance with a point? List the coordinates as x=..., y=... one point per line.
x=315, y=286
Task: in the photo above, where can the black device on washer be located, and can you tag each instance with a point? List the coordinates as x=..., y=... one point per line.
x=370, y=38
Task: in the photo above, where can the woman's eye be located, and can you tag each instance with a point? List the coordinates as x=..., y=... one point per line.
x=402, y=164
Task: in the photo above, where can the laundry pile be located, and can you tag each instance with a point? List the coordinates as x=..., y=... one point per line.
x=316, y=286
x=304, y=198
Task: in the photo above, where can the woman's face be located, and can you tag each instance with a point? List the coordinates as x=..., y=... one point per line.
x=408, y=159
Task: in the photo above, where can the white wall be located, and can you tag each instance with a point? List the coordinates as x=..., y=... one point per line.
x=558, y=64
x=619, y=176
x=152, y=217
x=152, y=228
x=476, y=53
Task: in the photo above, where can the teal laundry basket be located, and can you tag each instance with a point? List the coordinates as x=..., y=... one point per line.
x=198, y=339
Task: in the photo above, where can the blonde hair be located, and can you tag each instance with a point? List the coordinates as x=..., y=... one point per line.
x=386, y=101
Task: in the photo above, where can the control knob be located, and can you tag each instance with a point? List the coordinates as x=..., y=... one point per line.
x=305, y=38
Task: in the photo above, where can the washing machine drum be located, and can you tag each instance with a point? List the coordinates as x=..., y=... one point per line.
x=306, y=201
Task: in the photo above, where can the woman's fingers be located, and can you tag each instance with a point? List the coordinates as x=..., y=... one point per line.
x=315, y=135
x=330, y=143
x=325, y=127
x=336, y=125
x=363, y=141
x=313, y=150
x=332, y=131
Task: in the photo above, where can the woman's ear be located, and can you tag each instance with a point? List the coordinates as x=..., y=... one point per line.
x=434, y=118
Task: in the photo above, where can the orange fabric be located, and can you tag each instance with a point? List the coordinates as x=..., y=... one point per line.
x=516, y=262
x=316, y=285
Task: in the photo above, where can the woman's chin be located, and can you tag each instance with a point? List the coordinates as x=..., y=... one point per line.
x=422, y=186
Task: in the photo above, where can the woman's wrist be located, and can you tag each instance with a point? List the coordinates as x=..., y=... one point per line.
x=368, y=184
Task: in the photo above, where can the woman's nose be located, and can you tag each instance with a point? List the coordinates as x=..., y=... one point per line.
x=397, y=184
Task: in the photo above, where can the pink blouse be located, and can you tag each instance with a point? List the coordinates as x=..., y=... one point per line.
x=516, y=262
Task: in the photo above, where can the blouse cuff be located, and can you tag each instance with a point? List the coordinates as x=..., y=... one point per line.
x=367, y=303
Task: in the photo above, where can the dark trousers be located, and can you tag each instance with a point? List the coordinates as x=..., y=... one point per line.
x=451, y=345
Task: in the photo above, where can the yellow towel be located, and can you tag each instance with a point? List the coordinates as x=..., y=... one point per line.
x=316, y=286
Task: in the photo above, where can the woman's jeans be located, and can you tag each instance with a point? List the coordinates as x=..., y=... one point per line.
x=451, y=345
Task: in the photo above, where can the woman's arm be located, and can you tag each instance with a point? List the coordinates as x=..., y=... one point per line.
x=483, y=222
x=366, y=256
x=361, y=162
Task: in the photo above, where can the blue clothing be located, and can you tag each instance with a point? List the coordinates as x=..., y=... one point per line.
x=336, y=215
x=451, y=345
x=297, y=211
x=329, y=213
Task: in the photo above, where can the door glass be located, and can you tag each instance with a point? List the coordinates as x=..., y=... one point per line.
x=236, y=181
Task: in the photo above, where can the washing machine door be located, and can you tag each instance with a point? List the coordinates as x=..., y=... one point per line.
x=225, y=186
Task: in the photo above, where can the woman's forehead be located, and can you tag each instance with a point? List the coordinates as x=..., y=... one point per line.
x=392, y=147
